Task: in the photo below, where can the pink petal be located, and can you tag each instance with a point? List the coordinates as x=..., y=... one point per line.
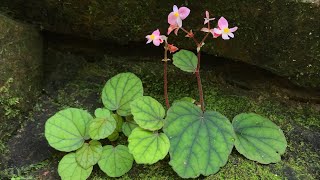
x=179, y=22
x=217, y=31
x=149, y=41
x=156, y=32
x=215, y=35
x=148, y=37
x=175, y=8
x=205, y=30
x=231, y=35
x=222, y=23
x=206, y=20
x=233, y=29
x=156, y=42
x=184, y=12
x=224, y=36
x=172, y=19
x=207, y=14
x=176, y=31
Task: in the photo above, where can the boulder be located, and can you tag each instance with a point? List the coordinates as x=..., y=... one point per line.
x=20, y=70
x=282, y=36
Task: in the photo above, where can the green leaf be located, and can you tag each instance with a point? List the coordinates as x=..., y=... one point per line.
x=102, y=126
x=258, y=138
x=185, y=60
x=200, y=142
x=120, y=91
x=115, y=161
x=69, y=169
x=127, y=127
x=67, y=129
x=148, y=113
x=148, y=147
x=114, y=136
x=119, y=121
x=185, y=99
x=89, y=154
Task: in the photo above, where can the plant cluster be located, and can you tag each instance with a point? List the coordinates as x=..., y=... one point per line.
x=198, y=141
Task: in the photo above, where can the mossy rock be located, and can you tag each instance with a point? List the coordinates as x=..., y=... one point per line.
x=280, y=36
x=20, y=70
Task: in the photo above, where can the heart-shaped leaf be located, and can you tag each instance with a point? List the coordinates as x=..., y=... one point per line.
x=103, y=125
x=67, y=129
x=128, y=126
x=115, y=161
x=185, y=60
x=89, y=154
x=185, y=99
x=148, y=147
x=120, y=91
x=200, y=142
x=148, y=113
x=69, y=169
x=258, y=138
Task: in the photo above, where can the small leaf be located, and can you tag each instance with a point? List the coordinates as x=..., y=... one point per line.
x=185, y=99
x=258, y=138
x=114, y=136
x=119, y=121
x=89, y=154
x=67, y=129
x=115, y=161
x=185, y=60
x=148, y=113
x=148, y=147
x=69, y=169
x=120, y=91
x=102, y=126
x=128, y=126
x=200, y=142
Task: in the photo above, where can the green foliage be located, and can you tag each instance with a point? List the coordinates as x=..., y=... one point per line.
x=148, y=147
x=89, y=154
x=69, y=169
x=103, y=125
x=115, y=161
x=120, y=91
x=185, y=60
x=128, y=127
x=119, y=121
x=8, y=102
x=200, y=142
x=148, y=113
x=258, y=139
x=67, y=130
x=184, y=99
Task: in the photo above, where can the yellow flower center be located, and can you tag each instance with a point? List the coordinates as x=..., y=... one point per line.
x=226, y=30
x=176, y=14
x=152, y=36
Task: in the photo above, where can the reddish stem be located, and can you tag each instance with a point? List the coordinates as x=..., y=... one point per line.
x=165, y=78
x=199, y=83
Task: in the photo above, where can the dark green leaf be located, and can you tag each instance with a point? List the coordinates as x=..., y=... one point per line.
x=185, y=60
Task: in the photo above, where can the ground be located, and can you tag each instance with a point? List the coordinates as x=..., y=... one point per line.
x=74, y=77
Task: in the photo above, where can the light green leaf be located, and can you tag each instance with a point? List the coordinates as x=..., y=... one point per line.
x=185, y=99
x=89, y=154
x=102, y=126
x=115, y=161
x=119, y=121
x=120, y=91
x=67, y=129
x=185, y=60
x=148, y=113
x=148, y=147
x=114, y=136
x=128, y=126
x=258, y=138
x=200, y=142
x=69, y=169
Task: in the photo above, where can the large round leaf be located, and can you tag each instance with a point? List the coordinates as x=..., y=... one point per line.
x=69, y=169
x=200, y=142
x=67, y=129
x=115, y=161
x=258, y=138
x=148, y=113
x=148, y=147
x=103, y=125
x=120, y=91
x=89, y=154
x=185, y=60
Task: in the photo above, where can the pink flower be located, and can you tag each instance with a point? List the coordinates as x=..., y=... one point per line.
x=223, y=29
x=176, y=17
x=155, y=37
x=207, y=18
x=173, y=27
x=172, y=48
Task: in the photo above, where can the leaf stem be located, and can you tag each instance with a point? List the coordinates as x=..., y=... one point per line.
x=165, y=74
x=200, y=84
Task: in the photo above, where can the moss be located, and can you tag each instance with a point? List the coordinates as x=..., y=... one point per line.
x=8, y=102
